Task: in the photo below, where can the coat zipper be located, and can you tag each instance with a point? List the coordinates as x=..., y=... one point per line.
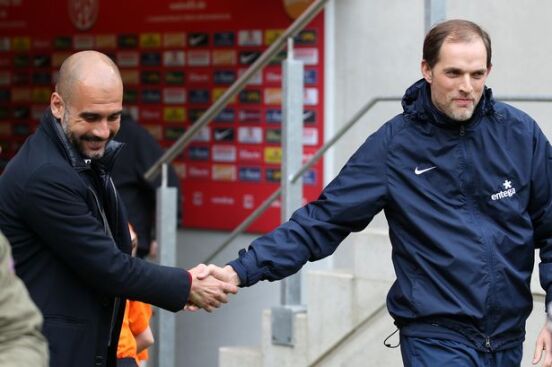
x=117, y=300
x=488, y=344
x=116, y=202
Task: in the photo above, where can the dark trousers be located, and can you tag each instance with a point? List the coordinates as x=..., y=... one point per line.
x=431, y=352
x=126, y=362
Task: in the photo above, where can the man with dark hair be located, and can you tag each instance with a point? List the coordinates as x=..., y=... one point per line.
x=466, y=186
x=68, y=229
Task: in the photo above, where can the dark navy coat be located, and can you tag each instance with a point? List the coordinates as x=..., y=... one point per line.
x=71, y=247
x=466, y=203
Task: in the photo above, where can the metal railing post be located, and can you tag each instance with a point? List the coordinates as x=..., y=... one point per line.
x=292, y=191
x=166, y=236
x=292, y=148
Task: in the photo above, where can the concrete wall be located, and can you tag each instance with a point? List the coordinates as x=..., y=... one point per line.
x=376, y=52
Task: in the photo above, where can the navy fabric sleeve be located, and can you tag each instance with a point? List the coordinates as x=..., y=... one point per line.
x=541, y=207
x=56, y=211
x=314, y=231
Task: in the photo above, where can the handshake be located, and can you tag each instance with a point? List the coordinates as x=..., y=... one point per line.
x=210, y=286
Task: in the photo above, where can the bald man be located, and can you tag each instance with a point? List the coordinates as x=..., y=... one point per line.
x=68, y=229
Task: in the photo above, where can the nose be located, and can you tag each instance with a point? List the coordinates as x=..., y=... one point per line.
x=466, y=84
x=102, y=130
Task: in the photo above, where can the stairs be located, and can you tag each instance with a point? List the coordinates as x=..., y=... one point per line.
x=346, y=319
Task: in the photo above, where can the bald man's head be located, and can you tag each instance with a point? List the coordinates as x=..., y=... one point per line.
x=88, y=101
x=86, y=68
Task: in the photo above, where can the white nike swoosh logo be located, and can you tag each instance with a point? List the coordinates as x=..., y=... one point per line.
x=420, y=171
x=197, y=39
x=247, y=58
x=219, y=135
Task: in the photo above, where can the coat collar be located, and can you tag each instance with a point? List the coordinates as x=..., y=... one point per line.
x=417, y=103
x=53, y=129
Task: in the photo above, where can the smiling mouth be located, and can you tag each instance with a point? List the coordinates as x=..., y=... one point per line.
x=95, y=144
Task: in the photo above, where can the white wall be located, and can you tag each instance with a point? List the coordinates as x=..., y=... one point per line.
x=377, y=53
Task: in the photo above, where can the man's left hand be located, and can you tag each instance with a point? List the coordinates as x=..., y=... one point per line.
x=544, y=344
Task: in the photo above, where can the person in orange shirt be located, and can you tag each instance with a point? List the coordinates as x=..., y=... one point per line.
x=136, y=335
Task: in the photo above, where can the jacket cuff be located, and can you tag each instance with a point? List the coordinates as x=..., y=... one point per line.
x=548, y=300
x=240, y=270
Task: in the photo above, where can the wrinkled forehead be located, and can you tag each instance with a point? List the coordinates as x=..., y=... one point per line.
x=472, y=52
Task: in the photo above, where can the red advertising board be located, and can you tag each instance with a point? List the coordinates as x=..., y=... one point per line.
x=176, y=58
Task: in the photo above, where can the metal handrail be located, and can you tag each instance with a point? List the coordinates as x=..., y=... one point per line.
x=171, y=153
x=524, y=98
x=367, y=107
x=272, y=198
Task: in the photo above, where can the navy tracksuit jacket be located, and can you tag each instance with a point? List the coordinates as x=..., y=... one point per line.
x=466, y=204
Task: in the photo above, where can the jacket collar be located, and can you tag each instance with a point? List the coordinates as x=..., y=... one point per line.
x=417, y=103
x=53, y=129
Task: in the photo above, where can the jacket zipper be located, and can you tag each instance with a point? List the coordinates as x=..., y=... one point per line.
x=116, y=200
x=488, y=344
x=117, y=300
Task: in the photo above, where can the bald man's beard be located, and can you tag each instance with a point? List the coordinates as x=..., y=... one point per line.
x=79, y=142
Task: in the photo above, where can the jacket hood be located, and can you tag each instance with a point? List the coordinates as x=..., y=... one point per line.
x=417, y=104
x=53, y=129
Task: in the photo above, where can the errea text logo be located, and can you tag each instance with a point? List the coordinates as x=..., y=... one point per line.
x=508, y=192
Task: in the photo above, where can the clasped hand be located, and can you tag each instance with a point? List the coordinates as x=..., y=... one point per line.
x=211, y=286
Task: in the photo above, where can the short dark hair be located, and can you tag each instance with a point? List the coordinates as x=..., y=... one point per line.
x=454, y=30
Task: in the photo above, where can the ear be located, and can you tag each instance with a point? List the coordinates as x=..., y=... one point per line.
x=489, y=69
x=57, y=105
x=426, y=71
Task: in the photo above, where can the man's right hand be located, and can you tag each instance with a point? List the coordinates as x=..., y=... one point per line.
x=207, y=291
x=226, y=274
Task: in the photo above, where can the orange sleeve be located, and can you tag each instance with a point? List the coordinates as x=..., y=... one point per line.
x=138, y=317
x=127, y=345
x=147, y=308
x=143, y=355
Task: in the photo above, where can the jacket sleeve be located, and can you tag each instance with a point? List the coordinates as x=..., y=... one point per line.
x=21, y=342
x=55, y=209
x=314, y=231
x=540, y=207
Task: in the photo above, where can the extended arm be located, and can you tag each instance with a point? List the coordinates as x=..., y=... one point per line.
x=314, y=231
x=57, y=211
